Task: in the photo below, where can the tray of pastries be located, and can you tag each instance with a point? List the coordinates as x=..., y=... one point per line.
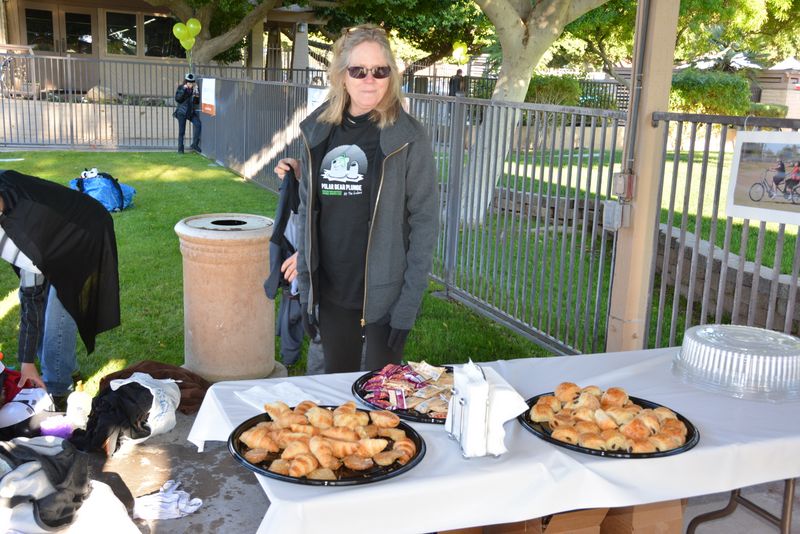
x=416, y=391
x=326, y=445
x=607, y=423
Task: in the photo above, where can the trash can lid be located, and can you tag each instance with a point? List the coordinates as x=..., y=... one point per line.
x=225, y=226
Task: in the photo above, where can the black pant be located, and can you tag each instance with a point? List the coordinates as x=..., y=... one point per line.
x=195, y=119
x=340, y=330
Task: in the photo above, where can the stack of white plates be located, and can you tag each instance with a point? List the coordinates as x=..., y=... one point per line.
x=742, y=361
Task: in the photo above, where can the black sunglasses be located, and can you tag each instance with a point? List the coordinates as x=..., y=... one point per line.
x=379, y=73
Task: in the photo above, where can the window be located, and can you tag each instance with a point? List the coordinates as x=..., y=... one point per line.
x=158, y=38
x=39, y=29
x=79, y=33
x=121, y=33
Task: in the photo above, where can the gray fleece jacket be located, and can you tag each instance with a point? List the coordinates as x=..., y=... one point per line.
x=404, y=222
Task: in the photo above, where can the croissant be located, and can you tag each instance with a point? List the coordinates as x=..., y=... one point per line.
x=288, y=419
x=369, y=431
x=323, y=452
x=394, y=434
x=350, y=420
x=370, y=447
x=259, y=438
x=347, y=407
x=304, y=429
x=320, y=417
x=294, y=449
x=407, y=447
x=358, y=463
x=284, y=437
x=388, y=457
x=256, y=456
x=302, y=464
x=322, y=473
x=341, y=433
x=594, y=390
x=304, y=406
x=384, y=418
x=343, y=448
x=274, y=409
x=279, y=466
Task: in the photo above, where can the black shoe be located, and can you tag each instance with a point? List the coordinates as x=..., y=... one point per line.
x=180, y=150
x=196, y=148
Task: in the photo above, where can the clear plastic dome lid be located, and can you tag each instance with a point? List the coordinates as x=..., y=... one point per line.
x=742, y=361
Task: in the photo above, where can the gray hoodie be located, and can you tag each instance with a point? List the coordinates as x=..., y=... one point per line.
x=404, y=222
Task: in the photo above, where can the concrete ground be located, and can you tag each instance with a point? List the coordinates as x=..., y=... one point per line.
x=234, y=502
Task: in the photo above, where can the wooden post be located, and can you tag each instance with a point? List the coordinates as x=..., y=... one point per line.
x=628, y=314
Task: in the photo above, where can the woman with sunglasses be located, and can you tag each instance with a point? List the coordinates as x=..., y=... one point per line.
x=368, y=208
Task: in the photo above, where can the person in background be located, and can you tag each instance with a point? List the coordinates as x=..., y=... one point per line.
x=53, y=233
x=368, y=208
x=778, y=177
x=187, y=98
x=456, y=84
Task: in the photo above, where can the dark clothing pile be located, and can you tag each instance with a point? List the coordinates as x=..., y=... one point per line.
x=193, y=387
x=115, y=414
x=72, y=243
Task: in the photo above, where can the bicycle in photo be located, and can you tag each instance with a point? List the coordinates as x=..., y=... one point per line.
x=788, y=189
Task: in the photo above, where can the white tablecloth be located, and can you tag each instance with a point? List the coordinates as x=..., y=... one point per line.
x=742, y=443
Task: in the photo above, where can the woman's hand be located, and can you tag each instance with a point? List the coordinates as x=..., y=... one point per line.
x=285, y=164
x=27, y=372
x=289, y=268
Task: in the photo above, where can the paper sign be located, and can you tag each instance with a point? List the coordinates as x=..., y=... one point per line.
x=208, y=102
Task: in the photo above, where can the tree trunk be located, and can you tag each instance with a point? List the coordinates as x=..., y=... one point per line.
x=525, y=30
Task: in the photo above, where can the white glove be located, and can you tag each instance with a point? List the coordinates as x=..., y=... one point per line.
x=167, y=503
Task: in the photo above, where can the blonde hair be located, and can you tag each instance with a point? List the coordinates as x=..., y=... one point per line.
x=388, y=109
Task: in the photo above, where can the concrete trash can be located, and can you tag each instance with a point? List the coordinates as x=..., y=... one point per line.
x=229, y=324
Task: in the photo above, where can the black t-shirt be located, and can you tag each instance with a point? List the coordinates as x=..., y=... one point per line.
x=345, y=177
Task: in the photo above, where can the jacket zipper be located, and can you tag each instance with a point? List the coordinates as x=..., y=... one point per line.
x=309, y=209
x=369, y=240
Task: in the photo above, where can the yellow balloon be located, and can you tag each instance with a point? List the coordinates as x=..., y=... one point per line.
x=187, y=43
x=180, y=31
x=194, y=26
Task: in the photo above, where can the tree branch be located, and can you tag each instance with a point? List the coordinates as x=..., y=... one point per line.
x=179, y=8
x=223, y=42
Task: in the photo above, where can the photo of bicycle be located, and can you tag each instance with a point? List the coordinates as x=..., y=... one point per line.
x=765, y=177
x=776, y=182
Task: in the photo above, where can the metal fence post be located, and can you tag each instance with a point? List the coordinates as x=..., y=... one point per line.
x=453, y=189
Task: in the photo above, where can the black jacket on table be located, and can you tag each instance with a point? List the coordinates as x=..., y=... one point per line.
x=70, y=237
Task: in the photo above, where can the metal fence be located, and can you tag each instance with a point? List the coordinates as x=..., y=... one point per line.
x=525, y=247
x=93, y=103
x=710, y=267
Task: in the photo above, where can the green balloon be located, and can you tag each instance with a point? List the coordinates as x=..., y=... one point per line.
x=187, y=43
x=180, y=31
x=194, y=26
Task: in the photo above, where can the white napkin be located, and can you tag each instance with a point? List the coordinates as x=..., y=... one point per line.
x=482, y=404
x=505, y=404
x=286, y=392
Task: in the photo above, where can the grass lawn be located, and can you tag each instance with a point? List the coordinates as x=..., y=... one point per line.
x=170, y=187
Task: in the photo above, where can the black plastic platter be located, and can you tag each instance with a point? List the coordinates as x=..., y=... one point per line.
x=347, y=477
x=543, y=431
x=409, y=415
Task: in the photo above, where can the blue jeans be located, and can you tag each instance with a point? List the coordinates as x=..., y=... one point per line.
x=57, y=350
